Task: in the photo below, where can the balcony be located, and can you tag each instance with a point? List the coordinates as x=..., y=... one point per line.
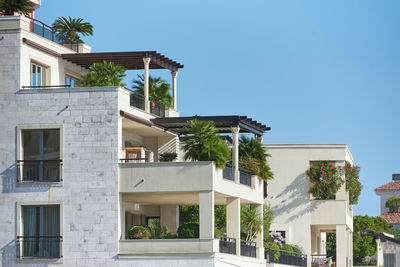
x=156, y=108
x=44, y=171
x=285, y=257
x=39, y=247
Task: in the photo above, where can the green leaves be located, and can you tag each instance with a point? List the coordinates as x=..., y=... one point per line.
x=353, y=185
x=159, y=89
x=68, y=29
x=9, y=7
x=253, y=157
x=324, y=179
x=203, y=144
x=393, y=204
x=250, y=222
x=103, y=75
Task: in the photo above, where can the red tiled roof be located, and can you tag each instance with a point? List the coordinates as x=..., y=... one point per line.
x=391, y=217
x=389, y=186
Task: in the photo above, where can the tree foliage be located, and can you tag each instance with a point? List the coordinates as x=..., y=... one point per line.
x=250, y=222
x=69, y=29
x=353, y=185
x=253, y=157
x=203, y=144
x=268, y=217
x=159, y=89
x=393, y=204
x=9, y=7
x=325, y=180
x=102, y=75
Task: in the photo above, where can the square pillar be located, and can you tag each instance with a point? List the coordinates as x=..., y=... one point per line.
x=235, y=152
x=341, y=245
x=260, y=237
x=146, y=61
x=233, y=220
x=206, y=214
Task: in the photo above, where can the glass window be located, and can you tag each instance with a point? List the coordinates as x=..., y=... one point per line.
x=40, y=232
x=71, y=81
x=41, y=155
x=38, y=75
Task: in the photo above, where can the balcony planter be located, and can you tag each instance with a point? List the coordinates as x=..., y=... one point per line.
x=325, y=180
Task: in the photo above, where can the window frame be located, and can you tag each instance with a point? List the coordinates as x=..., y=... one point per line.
x=73, y=77
x=45, y=73
x=20, y=148
x=20, y=228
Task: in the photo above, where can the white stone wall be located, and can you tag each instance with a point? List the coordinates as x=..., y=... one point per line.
x=90, y=189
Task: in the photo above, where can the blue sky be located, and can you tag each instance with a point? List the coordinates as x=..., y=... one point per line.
x=315, y=71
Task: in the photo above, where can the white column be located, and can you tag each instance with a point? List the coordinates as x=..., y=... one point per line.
x=260, y=138
x=174, y=85
x=235, y=152
x=259, y=238
x=341, y=245
x=233, y=221
x=206, y=214
x=146, y=61
x=142, y=154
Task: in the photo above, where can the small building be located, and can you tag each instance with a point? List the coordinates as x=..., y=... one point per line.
x=386, y=191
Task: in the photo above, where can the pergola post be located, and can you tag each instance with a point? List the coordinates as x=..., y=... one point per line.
x=146, y=61
x=174, y=85
x=235, y=152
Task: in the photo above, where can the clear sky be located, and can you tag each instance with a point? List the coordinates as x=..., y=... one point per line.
x=315, y=71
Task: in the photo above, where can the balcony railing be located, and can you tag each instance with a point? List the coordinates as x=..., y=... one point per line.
x=320, y=260
x=285, y=257
x=227, y=244
x=248, y=248
x=156, y=108
x=42, y=247
x=39, y=171
x=228, y=173
x=49, y=33
x=245, y=177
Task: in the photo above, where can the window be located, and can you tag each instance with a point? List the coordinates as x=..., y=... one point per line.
x=38, y=74
x=71, y=81
x=40, y=157
x=39, y=232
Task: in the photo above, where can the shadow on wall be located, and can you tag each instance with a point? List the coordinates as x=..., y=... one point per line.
x=9, y=256
x=296, y=199
x=9, y=182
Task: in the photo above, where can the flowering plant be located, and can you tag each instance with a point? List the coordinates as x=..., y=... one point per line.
x=325, y=180
x=353, y=184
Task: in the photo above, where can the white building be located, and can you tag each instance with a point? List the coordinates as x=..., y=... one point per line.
x=386, y=191
x=304, y=220
x=79, y=166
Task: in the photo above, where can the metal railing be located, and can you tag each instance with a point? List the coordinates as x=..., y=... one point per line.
x=39, y=170
x=128, y=160
x=227, y=244
x=285, y=257
x=43, y=247
x=318, y=260
x=228, y=173
x=248, y=248
x=45, y=86
x=156, y=108
x=46, y=31
x=245, y=177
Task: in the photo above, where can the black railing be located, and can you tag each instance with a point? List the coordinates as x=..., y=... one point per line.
x=248, y=248
x=228, y=173
x=156, y=108
x=320, y=260
x=39, y=171
x=285, y=257
x=49, y=33
x=44, y=247
x=245, y=177
x=133, y=159
x=227, y=244
x=45, y=86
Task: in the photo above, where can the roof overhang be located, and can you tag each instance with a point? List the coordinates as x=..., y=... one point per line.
x=128, y=60
x=222, y=123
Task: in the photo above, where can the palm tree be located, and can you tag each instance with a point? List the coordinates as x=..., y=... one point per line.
x=68, y=29
x=158, y=89
x=202, y=143
x=253, y=156
x=9, y=7
x=103, y=74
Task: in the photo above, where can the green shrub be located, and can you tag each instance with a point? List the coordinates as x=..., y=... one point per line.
x=287, y=247
x=275, y=254
x=160, y=232
x=296, y=249
x=138, y=232
x=188, y=230
x=168, y=156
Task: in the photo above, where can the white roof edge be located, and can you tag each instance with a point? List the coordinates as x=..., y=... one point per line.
x=311, y=146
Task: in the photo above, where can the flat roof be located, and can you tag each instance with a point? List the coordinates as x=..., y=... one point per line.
x=222, y=123
x=129, y=60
